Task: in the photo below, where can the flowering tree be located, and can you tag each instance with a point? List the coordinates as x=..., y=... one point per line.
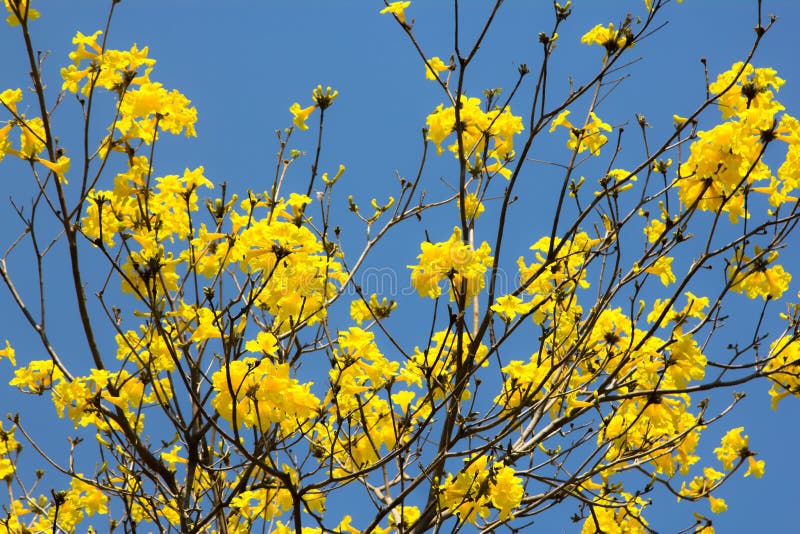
x=228, y=390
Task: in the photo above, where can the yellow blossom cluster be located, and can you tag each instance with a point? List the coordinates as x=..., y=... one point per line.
x=360, y=369
x=361, y=420
x=641, y=419
x=757, y=276
x=473, y=207
x=644, y=426
x=509, y=306
x=32, y=137
x=258, y=393
x=144, y=106
x=296, y=269
x=36, y=377
x=81, y=500
x=344, y=527
x=726, y=160
x=618, y=514
x=656, y=364
x=237, y=357
x=434, y=367
x=551, y=282
x=783, y=367
x=662, y=267
x=477, y=128
x=268, y=499
x=479, y=486
x=588, y=137
x=752, y=89
x=9, y=353
x=8, y=446
x=23, y=8
x=732, y=451
x=322, y=99
x=525, y=382
x=79, y=399
x=147, y=216
x=455, y=261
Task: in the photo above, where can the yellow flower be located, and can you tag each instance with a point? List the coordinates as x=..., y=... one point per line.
x=440, y=124
x=474, y=207
x=59, y=168
x=74, y=397
x=301, y=115
x=82, y=41
x=462, y=495
x=22, y=6
x=506, y=491
x=663, y=269
x=434, y=67
x=777, y=191
x=260, y=393
x=617, y=180
x=407, y=516
x=782, y=369
x=361, y=311
x=31, y=139
x=10, y=97
x=397, y=9
x=678, y=121
x=151, y=105
x=265, y=343
x=403, y=399
x=756, y=277
x=452, y=260
x=754, y=467
x=5, y=144
x=751, y=89
x=37, y=377
x=172, y=457
x=508, y=306
x=90, y=499
x=6, y=468
x=722, y=162
x=732, y=446
x=478, y=128
x=345, y=526
x=8, y=352
x=717, y=505
x=607, y=37
x=607, y=516
x=8, y=444
x=109, y=69
x=586, y=138
x=654, y=230
x=649, y=5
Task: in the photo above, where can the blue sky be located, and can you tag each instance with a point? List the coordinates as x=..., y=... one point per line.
x=244, y=63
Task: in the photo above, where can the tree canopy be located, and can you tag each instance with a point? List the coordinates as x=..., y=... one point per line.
x=550, y=305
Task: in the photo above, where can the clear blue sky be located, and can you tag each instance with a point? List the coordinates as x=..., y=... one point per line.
x=244, y=63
